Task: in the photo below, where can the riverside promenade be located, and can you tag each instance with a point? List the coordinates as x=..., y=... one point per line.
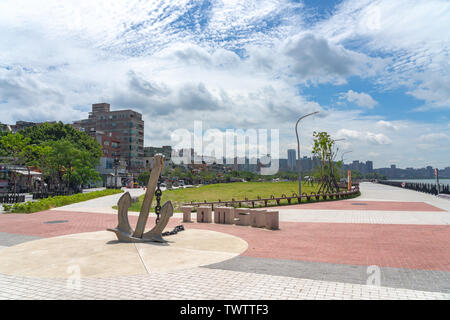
x=389, y=243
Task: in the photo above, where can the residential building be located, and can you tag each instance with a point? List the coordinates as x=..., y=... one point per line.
x=369, y=166
x=283, y=164
x=125, y=125
x=110, y=143
x=306, y=164
x=21, y=125
x=164, y=150
x=292, y=159
x=5, y=127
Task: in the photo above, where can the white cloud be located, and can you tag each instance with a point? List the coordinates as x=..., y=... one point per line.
x=236, y=65
x=434, y=137
x=413, y=35
x=361, y=99
x=388, y=125
x=370, y=137
x=315, y=59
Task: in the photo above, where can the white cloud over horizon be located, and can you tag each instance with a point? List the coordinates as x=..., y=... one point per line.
x=239, y=65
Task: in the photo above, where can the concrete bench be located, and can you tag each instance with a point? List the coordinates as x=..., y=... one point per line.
x=242, y=217
x=204, y=214
x=224, y=215
x=187, y=211
x=258, y=218
x=272, y=220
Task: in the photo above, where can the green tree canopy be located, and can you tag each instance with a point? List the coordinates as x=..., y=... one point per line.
x=66, y=162
x=143, y=177
x=53, y=132
x=64, y=154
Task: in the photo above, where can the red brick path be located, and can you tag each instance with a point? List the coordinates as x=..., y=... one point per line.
x=401, y=246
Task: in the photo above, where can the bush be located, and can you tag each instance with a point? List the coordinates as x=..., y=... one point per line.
x=58, y=201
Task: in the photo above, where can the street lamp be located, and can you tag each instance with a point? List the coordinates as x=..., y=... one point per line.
x=299, y=164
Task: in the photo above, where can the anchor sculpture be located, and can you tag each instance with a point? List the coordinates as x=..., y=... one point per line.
x=124, y=232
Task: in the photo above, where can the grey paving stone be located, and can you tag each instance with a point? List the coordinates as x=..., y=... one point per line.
x=427, y=280
x=11, y=239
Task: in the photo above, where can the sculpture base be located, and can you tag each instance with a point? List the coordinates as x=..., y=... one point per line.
x=128, y=237
x=100, y=254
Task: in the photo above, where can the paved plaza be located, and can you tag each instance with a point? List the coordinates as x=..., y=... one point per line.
x=389, y=243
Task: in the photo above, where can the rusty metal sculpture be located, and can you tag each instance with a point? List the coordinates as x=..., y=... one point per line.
x=124, y=231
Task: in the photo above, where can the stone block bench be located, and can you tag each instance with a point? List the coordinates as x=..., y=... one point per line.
x=272, y=220
x=204, y=214
x=258, y=218
x=224, y=215
x=187, y=211
x=242, y=217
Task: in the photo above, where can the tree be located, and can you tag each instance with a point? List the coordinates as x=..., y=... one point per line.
x=64, y=154
x=143, y=178
x=324, y=150
x=69, y=165
x=57, y=131
x=15, y=147
x=190, y=177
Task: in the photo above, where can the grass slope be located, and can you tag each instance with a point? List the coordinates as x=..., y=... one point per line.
x=228, y=191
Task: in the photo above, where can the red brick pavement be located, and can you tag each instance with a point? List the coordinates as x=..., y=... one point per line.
x=423, y=247
x=33, y=224
x=368, y=205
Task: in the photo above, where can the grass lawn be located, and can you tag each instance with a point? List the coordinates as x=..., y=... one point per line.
x=228, y=191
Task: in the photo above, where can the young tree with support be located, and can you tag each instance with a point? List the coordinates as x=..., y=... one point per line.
x=326, y=153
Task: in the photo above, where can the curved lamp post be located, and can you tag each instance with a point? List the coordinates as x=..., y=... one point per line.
x=299, y=163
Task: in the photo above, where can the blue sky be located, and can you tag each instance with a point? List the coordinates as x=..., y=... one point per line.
x=378, y=71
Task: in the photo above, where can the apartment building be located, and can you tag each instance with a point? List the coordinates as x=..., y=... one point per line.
x=125, y=126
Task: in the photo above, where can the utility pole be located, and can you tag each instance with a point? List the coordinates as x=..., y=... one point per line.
x=116, y=166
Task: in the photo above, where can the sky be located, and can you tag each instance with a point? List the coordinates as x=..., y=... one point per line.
x=378, y=72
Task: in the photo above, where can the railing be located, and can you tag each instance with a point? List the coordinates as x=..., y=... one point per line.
x=272, y=198
x=418, y=186
x=11, y=198
x=43, y=195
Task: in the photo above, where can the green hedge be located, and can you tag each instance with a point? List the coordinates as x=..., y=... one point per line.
x=58, y=201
